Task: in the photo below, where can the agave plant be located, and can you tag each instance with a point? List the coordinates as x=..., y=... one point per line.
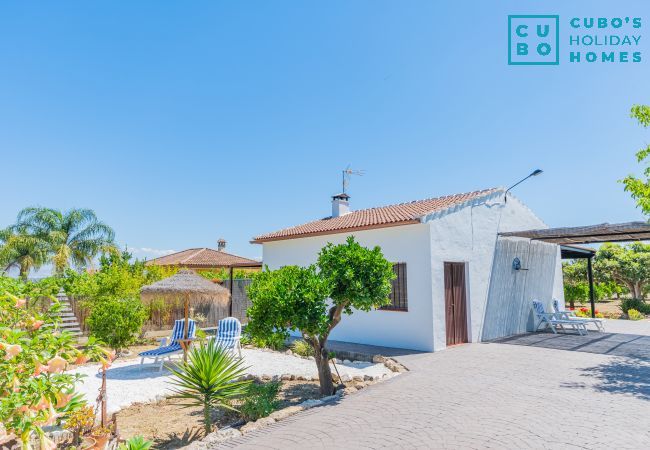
x=136, y=443
x=210, y=378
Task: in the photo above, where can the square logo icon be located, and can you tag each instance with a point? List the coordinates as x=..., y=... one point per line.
x=534, y=40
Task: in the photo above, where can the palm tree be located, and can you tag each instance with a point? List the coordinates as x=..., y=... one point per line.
x=24, y=251
x=76, y=236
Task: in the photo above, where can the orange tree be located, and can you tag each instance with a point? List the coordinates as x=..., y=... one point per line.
x=312, y=300
x=35, y=391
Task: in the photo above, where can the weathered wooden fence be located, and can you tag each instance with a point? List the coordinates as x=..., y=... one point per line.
x=240, y=300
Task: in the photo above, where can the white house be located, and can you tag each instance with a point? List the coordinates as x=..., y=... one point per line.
x=458, y=281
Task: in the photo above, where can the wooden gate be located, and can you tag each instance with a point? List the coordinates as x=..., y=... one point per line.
x=455, y=303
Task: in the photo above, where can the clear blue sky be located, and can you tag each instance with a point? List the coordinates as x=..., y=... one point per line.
x=182, y=122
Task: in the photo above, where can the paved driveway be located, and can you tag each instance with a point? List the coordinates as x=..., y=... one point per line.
x=516, y=394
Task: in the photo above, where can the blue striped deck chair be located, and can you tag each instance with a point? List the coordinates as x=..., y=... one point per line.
x=229, y=335
x=174, y=347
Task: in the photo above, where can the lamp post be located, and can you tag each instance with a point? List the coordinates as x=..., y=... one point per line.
x=534, y=173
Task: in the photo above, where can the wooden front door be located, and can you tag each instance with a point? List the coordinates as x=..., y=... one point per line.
x=455, y=303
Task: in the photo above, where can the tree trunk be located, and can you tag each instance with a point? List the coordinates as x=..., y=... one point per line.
x=207, y=418
x=324, y=371
x=572, y=304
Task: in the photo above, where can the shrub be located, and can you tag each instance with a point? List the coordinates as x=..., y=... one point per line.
x=210, y=378
x=136, y=443
x=635, y=303
x=302, y=348
x=272, y=341
x=116, y=322
x=35, y=391
x=260, y=400
x=80, y=422
x=633, y=314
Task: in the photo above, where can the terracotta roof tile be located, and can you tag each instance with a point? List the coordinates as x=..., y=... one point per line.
x=202, y=258
x=383, y=216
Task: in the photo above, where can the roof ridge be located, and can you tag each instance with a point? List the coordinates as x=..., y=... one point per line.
x=171, y=254
x=230, y=254
x=460, y=194
x=200, y=250
x=386, y=212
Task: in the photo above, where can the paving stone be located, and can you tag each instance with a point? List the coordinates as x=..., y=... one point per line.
x=534, y=394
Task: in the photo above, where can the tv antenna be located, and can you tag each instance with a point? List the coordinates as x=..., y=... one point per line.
x=347, y=173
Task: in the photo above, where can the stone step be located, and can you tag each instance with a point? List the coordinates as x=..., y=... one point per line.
x=67, y=314
x=71, y=329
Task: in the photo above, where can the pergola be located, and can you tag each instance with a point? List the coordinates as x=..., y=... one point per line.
x=570, y=238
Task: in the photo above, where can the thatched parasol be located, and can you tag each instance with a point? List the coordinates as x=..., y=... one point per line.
x=186, y=284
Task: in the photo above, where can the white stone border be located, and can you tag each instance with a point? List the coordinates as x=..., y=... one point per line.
x=230, y=432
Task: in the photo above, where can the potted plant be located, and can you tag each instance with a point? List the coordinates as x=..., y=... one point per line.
x=80, y=422
x=101, y=436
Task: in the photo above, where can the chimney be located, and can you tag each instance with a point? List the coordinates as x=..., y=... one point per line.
x=221, y=245
x=340, y=204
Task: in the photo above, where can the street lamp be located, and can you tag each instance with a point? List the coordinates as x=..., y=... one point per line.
x=534, y=173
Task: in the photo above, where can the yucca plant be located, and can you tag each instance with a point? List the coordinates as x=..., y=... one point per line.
x=210, y=378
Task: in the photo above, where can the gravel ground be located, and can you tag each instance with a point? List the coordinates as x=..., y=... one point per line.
x=129, y=382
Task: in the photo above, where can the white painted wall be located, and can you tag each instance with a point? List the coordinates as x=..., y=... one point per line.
x=509, y=306
x=409, y=244
x=467, y=234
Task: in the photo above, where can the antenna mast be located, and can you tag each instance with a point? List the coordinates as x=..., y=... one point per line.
x=347, y=173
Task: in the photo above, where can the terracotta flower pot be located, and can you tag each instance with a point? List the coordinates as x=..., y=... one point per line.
x=101, y=441
x=88, y=443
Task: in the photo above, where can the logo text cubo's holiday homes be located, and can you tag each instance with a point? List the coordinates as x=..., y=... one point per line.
x=535, y=40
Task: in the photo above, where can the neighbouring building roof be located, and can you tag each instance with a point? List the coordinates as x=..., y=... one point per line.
x=380, y=217
x=203, y=258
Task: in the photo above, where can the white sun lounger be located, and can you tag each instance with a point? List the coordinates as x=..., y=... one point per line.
x=571, y=315
x=555, y=322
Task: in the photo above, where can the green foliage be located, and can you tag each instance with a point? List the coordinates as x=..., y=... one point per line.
x=136, y=443
x=117, y=322
x=576, y=293
x=210, y=378
x=75, y=236
x=625, y=265
x=360, y=277
x=260, y=400
x=296, y=298
x=302, y=348
x=290, y=298
x=224, y=274
x=35, y=391
x=633, y=314
x=635, y=303
x=639, y=188
x=576, y=285
x=80, y=422
x=275, y=341
x=117, y=277
x=23, y=251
